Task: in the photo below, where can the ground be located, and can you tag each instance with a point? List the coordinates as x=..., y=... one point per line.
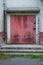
x=22, y=61
x=29, y=59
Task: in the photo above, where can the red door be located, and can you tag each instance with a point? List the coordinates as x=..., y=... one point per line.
x=22, y=29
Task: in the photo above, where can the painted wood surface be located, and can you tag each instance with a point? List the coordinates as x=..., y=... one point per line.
x=23, y=29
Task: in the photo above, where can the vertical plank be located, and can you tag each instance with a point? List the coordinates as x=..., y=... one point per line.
x=23, y=29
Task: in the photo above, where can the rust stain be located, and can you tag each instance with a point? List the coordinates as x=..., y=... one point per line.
x=1, y=37
x=23, y=29
x=41, y=37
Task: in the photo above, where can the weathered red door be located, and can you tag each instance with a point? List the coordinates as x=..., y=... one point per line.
x=23, y=29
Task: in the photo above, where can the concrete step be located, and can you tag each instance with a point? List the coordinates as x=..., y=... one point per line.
x=21, y=53
x=14, y=49
x=18, y=50
x=23, y=46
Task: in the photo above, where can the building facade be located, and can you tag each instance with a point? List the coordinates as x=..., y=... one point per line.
x=21, y=21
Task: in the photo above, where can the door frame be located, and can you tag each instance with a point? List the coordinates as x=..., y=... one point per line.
x=8, y=25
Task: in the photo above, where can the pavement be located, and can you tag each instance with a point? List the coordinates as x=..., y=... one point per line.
x=22, y=61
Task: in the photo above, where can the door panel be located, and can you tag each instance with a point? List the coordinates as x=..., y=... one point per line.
x=23, y=29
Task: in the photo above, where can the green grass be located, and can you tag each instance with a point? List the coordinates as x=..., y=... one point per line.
x=3, y=57
x=30, y=56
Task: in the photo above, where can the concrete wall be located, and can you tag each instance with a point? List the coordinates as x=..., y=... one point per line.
x=1, y=21
x=22, y=3
x=28, y=3
x=40, y=5
x=1, y=16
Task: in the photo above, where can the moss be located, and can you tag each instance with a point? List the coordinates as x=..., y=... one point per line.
x=32, y=56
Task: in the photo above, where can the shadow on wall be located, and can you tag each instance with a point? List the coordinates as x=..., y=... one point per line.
x=3, y=37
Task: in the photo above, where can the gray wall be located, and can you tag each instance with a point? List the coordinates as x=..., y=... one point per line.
x=1, y=16
x=22, y=3
x=28, y=3
x=40, y=5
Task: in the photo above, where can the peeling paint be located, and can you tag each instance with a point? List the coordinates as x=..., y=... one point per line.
x=23, y=29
